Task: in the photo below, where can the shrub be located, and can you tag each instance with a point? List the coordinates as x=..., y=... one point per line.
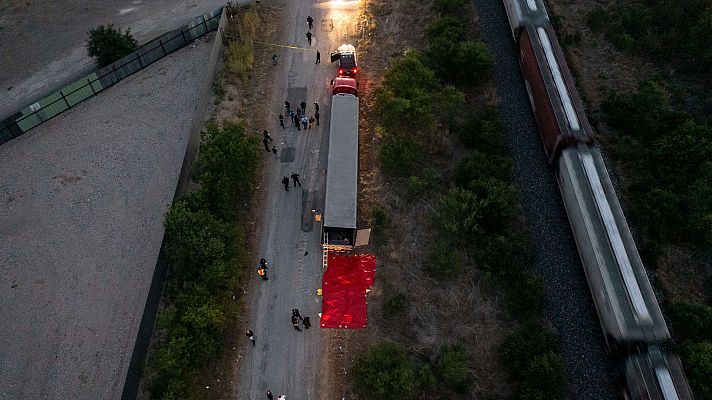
x=544, y=378
x=425, y=378
x=461, y=63
x=384, y=373
x=380, y=219
x=395, y=303
x=483, y=131
x=697, y=358
x=447, y=27
x=506, y=254
x=451, y=7
x=452, y=367
x=691, y=321
x=520, y=349
x=400, y=156
x=597, y=19
x=458, y=215
x=108, y=44
x=443, y=261
x=525, y=297
x=477, y=165
x=418, y=185
x=500, y=201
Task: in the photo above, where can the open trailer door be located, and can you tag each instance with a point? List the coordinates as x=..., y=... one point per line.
x=362, y=237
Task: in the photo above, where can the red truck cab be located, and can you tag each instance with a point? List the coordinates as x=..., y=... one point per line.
x=344, y=85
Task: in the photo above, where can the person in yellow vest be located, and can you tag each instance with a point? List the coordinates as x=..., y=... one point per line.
x=262, y=270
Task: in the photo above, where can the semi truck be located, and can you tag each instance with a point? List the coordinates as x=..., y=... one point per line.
x=339, y=227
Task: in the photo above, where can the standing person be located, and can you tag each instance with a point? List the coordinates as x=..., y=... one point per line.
x=269, y=395
x=263, y=263
x=309, y=36
x=316, y=116
x=250, y=336
x=293, y=116
x=299, y=113
x=311, y=122
x=274, y=59
x=310, y=21
x=295, y=178
x=285, y=182
x=316, y=106
x=305, y=121
x=286, y=106
x=266, y=135
x=295, y=323
x=295, y=314
x=303, y=105
x=281, y=120
x=307, y=323
x=265, y=141
x=274, y=151
x=318, y=57
x=262, y=272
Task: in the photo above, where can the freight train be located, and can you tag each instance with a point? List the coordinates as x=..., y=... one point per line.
x=633, y=326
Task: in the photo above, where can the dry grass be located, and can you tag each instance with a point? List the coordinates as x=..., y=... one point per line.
x=240, y=53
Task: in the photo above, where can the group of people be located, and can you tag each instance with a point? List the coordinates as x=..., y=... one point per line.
x=299, y=116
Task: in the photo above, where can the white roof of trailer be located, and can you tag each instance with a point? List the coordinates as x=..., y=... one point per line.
x=561, y=88
x=342, y=165
x=666, y=385
x=631, y=283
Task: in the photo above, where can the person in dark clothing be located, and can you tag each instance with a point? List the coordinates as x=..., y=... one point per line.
x=299, y=113
x=274, y=151
x=269, y=395
x=293, y=116
x=311, y=122
x=309, y=36
x=274, y=59
x=265, y=141
x=307, y=323
x=281, y=120
x=285, y=182
x=310, y=21
x=250, y=336
x=303, y=105
x=266, y=135
x=295, y=314
x=295, y=178
x=286, y=106
x=295, y=323
x=318, y=57
x=263, y=262
x=316, y=106
x=316, y=117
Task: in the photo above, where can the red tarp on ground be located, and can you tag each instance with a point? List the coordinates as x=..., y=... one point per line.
x=344, y=291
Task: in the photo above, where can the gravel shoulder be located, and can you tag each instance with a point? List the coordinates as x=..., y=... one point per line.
x=83, y=198
x=568, y=302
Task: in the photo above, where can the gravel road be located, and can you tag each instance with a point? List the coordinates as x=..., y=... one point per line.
x=42, y=43
x=284, y=360
x=569, y=305
x=81, y=225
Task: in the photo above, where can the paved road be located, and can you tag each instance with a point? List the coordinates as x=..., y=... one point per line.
x=82, y=199
x=284, y=360
x=42, y=43
x=568, y=302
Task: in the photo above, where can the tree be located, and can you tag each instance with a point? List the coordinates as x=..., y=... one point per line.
x=384, y=373
x=458, y=215
x=400, y=156
x=108, y=44
x=478, y=165
x=520, y=349
x=544, y=378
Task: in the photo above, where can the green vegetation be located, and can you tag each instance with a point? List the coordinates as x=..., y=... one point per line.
x=204, y=245
x=675, y=31
x=529, y=355
x=697, y=358
x=385, y=372
x=108, y=44
x=443, y=260
x=419, y=111
x=452, y=367
x=693, y=321
x=381, y=222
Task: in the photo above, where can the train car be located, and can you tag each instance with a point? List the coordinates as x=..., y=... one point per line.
x=652, y=374
x=557, y=107
x=525, y=12
x=624, y=299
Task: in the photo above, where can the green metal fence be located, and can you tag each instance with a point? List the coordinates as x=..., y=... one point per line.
x=88, y=86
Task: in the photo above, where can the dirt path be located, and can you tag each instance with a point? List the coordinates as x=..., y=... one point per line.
x=284, y=360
